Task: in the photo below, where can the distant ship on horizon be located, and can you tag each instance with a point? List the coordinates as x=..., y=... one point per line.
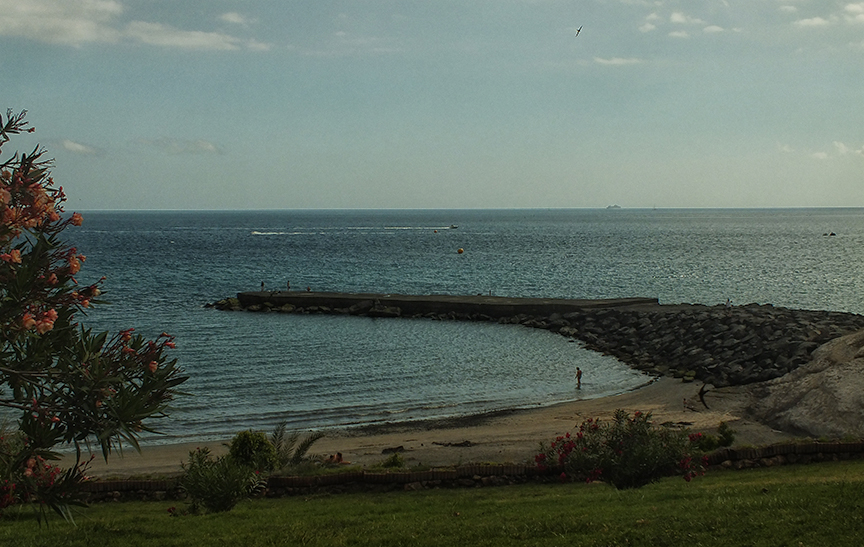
x=613, y=206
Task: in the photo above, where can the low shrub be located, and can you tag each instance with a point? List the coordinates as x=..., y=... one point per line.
x=627, y=452
x=706, y=442
x=725, y=434
x=253, y=449
x=394, y=461
x=217, y=485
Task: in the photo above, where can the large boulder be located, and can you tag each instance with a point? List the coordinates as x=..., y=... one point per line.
x=823, y=398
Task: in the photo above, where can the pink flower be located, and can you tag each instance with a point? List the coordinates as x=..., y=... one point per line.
x=74, y=265
x=27, y=321
x=44, y=326
x=12, y=257
x=153, y=366
x=76, y=219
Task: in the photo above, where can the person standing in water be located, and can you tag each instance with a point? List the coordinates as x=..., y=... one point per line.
x=578, y=378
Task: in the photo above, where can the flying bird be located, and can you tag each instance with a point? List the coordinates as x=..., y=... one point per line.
x=578, y=30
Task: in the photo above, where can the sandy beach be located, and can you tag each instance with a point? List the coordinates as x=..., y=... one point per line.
x=502, y=437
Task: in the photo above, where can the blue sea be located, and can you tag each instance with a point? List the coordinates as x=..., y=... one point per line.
x=253, y=371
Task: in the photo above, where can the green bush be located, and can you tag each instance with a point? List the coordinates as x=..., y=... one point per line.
x=253, y=449
x=708, y=443
x=627, y=452
x=217, y=485
x=725, y=434
x=394, y=461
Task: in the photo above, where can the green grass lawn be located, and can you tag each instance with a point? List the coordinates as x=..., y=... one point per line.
x=795, y=505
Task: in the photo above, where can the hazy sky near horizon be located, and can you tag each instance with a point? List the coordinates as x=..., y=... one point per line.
x=260, y=104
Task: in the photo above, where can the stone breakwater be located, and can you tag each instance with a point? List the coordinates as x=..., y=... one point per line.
x=718, y=345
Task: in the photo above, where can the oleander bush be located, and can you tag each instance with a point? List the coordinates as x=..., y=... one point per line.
x=627, y=452
x=63, y=384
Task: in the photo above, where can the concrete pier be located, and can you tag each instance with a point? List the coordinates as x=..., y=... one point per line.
x=494, y=307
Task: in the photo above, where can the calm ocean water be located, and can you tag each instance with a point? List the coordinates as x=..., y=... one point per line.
x=252, y=371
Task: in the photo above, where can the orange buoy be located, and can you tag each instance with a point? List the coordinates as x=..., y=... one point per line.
x=460, y=250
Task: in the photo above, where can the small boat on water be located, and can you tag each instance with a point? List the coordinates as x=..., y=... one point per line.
x=453, y=226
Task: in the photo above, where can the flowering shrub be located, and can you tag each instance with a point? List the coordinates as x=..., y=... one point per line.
x=628, y=452
x=217, y=485
x=66, y=384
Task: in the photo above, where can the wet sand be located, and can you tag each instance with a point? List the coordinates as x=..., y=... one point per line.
x=501, y=437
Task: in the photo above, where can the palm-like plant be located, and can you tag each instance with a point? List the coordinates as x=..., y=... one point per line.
x=290, y=449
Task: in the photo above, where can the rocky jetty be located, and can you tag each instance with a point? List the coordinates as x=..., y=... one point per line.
x=718, y=345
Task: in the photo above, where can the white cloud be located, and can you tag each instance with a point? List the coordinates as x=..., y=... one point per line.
x=72, y=22
x=854, y=12
x=679, y=34
x=235, y=18
x=789, y=9
x=842, y=149
x=81, y=22
x=813, y=22
x=712, y=29
x=680, y=18
x=180, y=146
x=617, y=61
x=78, y=148
x=158, y=34
x=648, y=26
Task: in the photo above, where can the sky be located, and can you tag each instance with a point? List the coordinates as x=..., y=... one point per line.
x=286, y=104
